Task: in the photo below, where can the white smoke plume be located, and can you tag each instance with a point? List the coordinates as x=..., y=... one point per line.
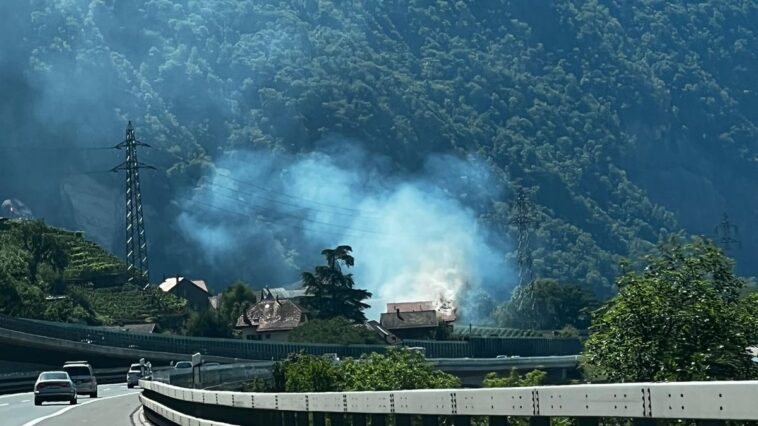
x=415, y=236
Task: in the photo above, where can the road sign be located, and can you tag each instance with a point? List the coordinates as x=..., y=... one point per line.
x=197, y=359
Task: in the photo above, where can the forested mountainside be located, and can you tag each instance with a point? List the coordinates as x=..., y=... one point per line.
x=629, y=119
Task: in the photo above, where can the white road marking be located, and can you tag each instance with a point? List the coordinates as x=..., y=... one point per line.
x=4, y=405
x=71, y=407
x=26, y=400
x=15, y=395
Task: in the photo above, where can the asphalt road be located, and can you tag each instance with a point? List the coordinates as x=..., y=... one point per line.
x=114, y=407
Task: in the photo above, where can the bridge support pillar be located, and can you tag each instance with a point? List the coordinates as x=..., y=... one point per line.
x=359, y=419
x=638, y=421
x=539, y=421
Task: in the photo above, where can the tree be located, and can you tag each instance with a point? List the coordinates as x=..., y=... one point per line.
x=544, y=304
x=332, y=290
x=207, y=323
x=337, y=330
x=681, y=318
x=398, y=369
x=42, y=246
x=514, y=379
x=235, y=300
x=309, y=373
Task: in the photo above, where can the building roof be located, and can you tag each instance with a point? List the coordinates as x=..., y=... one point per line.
x=284, y=293
x=215, y=301
x=404, y=320
x=382, y=332
x=172, y=282
x=272, y=315
x=445, y=310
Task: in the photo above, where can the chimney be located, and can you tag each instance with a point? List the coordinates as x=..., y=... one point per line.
x=397, y=311
x=177, y=278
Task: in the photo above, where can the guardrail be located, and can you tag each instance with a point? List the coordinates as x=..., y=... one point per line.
x=24, y=382
x=639, y=401
x=209, y=376
x=254, y=350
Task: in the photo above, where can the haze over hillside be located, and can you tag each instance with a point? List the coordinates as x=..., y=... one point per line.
x=400, y=127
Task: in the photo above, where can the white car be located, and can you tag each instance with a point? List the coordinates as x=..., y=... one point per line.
x=183, y=365
x=83, y=376
x=54, y=386
x=133, y=375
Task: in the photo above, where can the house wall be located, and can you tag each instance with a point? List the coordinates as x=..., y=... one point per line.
x=267, y=336
x=195, y=296
x=413, y=333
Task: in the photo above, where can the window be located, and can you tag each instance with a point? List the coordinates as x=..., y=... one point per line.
x=268, y=336
x=77, y=371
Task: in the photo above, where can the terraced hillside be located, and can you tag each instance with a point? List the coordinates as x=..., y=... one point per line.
x=54, y=274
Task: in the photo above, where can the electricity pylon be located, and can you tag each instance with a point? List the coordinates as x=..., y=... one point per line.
x=727, y=234
x=522, y=217
x=136, y=242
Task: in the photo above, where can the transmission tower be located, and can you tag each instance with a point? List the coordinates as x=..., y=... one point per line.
x=136, y=243
x=727, y=234
x=522, y=217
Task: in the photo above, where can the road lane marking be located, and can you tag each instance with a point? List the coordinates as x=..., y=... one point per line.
x=26, y=400
x=38, y=420
x=4, y=405
x=15, y=395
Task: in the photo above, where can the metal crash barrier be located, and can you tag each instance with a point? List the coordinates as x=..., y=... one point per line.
x=638, y=401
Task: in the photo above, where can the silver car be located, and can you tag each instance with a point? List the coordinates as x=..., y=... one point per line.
x=83, y=376
x=54, y=386
x=135, y=373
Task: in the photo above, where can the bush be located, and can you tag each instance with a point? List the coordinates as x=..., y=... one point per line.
x=340, y=331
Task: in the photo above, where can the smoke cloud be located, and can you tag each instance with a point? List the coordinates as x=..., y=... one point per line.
x=415, y=236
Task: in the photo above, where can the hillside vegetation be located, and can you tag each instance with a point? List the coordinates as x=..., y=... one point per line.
x=628, y=120
x=44, y=273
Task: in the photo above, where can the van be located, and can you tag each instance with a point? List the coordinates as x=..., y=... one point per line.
x=83, y=376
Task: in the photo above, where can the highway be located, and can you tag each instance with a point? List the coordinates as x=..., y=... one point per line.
x=114, y=407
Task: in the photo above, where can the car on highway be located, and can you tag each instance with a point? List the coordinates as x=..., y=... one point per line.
x=54, y=386
x=83, y=376
x=136, y=372
x=183, y=365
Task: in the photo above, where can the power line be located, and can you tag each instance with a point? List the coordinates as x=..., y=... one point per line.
x=264, y=189
x=209, y=206
x=306, y=219
x=54, y=148
x=298, y=206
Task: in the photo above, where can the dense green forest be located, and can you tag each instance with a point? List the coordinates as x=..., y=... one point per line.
x=628, y=120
